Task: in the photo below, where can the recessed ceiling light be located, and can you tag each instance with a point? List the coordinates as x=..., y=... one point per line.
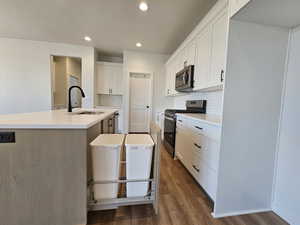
x=138, y=45
x=143, y=6
x=87, y=38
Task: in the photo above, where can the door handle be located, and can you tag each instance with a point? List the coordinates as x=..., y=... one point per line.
x=199, y=128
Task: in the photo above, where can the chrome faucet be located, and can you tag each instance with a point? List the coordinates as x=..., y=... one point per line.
x=70, y=102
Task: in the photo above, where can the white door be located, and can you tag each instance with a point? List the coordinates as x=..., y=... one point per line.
x=140, y=103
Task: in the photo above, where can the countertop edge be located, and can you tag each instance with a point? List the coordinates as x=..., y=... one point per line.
x=199, y=119
x=55, y=126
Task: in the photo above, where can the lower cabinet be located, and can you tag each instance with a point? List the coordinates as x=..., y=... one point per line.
x=198, y=147
x=107, y=126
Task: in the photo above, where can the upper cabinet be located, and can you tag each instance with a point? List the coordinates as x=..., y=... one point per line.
x=237, y=5
x=218, y=50
x=171, y=70
x=109, y=78
x=211, y=54
x=206, y=49
x=203, y=58
x=186, y=56
x=189, y=54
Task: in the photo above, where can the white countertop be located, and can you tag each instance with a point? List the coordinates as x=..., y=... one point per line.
x=207, y=118
x=55, y=119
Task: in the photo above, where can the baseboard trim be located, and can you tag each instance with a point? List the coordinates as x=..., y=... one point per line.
x=241, y=212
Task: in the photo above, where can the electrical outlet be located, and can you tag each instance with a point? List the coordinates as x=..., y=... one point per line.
x=7, y=137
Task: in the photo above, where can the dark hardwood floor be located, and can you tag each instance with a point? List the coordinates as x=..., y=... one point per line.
x=181, y=203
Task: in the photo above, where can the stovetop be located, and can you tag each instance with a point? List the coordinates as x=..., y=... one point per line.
x=192, y=106
x=172, y=112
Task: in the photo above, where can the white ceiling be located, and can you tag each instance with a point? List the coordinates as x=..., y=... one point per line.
x=114, y=25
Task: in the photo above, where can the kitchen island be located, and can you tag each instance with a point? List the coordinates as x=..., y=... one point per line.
x=44, y=166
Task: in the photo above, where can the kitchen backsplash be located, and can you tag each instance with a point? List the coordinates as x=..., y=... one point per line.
x=214, y=101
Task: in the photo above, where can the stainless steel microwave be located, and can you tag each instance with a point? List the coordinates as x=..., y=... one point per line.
x=185, y=79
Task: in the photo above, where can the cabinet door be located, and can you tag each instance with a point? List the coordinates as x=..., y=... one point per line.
x=176, y=67
x=103, y=79
x=203, y=59
x=179, y=145
x=237, y=5
x=182, y=146
x=190, y=53
x=168, y=79
x=117, y=80
x=219, y=43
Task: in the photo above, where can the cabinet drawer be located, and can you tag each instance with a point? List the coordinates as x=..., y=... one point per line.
x=205, y=176
x=208, y=180
x=207, y=150
x=207, y=130
x=180, y=121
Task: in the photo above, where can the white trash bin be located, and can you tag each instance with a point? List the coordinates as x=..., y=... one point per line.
x=139, y=148
x=106, y=150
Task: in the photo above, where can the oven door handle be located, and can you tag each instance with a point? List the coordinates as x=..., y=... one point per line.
x=168, y=118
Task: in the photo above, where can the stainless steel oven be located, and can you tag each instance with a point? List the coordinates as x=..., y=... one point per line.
x=185, y=79
x=194, y=106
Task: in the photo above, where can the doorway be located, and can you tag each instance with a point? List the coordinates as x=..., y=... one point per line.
x=65, y=72
x=140, y=102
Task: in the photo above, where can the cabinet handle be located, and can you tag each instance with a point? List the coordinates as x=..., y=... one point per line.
x=199, y=128
x=198, y=146
x=195, y=168
x=180, y=121
x=222, y=75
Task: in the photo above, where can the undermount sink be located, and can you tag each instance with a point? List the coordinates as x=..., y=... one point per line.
x=88, y=113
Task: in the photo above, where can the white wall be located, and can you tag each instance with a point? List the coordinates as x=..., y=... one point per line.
x=139, y=62
x=214, y=101
x=25, y=76
x=252, y=102
x=287, y=197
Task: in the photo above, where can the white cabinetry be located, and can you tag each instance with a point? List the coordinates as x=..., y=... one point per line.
x=183, y=145
x=109, y=78
x=186, y=56
x=237, y=5
x=211, y=54
x=171, y=70
x=206, y=50
x=198, y=148
x=218, y=52
x=203, y=58
x=189, y=54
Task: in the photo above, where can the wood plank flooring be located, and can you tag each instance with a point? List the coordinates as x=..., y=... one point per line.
x=181, y=203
